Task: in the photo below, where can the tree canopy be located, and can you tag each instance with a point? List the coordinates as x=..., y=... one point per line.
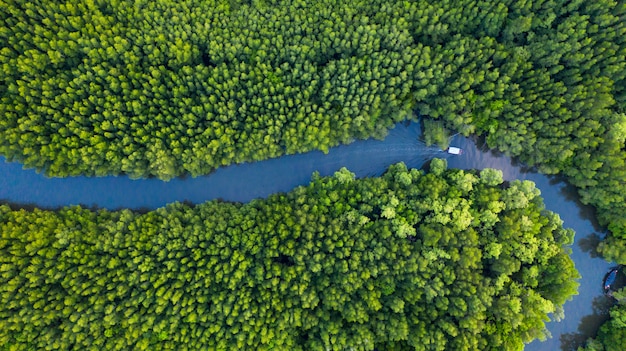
x=409, y=260
x=165, y=88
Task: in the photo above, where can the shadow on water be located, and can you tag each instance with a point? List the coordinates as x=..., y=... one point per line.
x=589, y=244
x=570, y=194
x=588, y=325
x=481, y=145
x=31, y=206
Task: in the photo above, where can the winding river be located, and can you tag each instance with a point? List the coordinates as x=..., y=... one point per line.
x=241, y=183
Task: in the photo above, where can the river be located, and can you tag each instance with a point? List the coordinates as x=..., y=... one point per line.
x=242, y=183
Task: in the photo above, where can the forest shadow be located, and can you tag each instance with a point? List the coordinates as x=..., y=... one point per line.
x=28, y=206
x=589, y=244
x=589, y=325
x=481, y=145
x=32, y=206
x=570, y=193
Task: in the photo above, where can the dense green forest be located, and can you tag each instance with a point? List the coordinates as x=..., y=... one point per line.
x=612, y=333
x=445, y=260
x=164, y=88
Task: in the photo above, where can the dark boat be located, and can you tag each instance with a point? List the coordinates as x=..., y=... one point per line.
x=609, y=279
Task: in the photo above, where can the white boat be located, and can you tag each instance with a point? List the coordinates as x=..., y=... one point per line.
x=454, y=150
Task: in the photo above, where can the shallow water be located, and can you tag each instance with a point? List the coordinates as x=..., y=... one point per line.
x=244, y=182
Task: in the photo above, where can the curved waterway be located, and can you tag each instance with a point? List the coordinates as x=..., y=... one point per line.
x=242, y=183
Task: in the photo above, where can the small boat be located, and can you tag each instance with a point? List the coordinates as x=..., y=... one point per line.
x=609, y=279
x=454, y=150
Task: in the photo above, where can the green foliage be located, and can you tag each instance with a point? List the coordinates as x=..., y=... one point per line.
x=324, y=267
x=166, y=88
x=438, y=166
x=436, y=133
x=491, y=176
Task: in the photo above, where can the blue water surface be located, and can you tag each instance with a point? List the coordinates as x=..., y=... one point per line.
x=240, y=183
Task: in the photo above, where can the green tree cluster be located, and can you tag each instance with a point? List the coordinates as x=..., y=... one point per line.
x=445, y=260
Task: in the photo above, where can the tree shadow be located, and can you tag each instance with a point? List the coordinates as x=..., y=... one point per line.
x=570, y=193
x=28, y=206
x=589, y=244
x=481, y=145
x=589, y=325
x=32, y=206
